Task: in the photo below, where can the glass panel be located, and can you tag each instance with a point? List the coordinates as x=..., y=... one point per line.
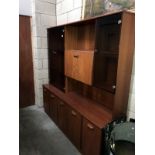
x=107, y=49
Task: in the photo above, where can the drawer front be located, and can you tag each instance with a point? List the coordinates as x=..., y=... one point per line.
x=74, y=128
x=91, y=139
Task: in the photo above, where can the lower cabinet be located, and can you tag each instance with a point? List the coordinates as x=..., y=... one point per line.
x=74, y=128
x=82, y=133
x=91, y=139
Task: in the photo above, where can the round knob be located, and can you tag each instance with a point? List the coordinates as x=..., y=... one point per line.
x=119, y=21
x=113, y=87
x=95, y=50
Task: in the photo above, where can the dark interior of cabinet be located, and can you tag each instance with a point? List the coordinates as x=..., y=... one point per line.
x=100, y=96
x=56, y=57
x=80, y=36
x=107, y=47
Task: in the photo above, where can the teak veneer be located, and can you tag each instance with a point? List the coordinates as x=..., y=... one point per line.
x=90, y=65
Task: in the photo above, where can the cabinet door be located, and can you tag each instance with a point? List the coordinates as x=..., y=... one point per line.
x=91, y=139
x=46, y=100
x=85, y=64
x=53, y=106
x=107, y=52
x=56, y=56
x=74, y=128
x=63, y=113
x=79, y=65
x=26, y=73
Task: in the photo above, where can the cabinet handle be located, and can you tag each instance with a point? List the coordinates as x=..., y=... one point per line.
x=73, y=113
x=61, y=103
x=76, y=56
x=113, y=87
x=95, y=50
x=52, y=96
x=90, y=126
x=119, y=21
x=54, y=52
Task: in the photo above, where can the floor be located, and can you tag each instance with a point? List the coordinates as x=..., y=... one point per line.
x=40, y=136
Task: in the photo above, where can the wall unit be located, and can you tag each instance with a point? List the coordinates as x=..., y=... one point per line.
x=97, y=64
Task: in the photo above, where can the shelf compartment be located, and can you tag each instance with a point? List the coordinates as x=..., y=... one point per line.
x=80, y=36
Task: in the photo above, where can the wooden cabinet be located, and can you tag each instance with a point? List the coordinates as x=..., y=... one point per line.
x=71, y=113
x=74, y=128
x=91, y=139
x=97, y=54
x=79, y=65
x=68, y=120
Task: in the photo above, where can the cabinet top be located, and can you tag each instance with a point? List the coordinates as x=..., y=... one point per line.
x=93, y=18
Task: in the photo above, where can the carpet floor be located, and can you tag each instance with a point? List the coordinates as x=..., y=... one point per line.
x=38, y=135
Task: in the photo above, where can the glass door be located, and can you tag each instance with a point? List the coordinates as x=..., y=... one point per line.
x=106, y=52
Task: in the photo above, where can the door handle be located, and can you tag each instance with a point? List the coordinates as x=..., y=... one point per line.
x=113, y=87
x=76, y=56
x=54, y=52
x=61, y=103
x=52, y=96
x=73, y=113
x=90, y=126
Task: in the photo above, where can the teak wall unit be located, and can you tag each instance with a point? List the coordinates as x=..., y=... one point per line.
x=90, y=64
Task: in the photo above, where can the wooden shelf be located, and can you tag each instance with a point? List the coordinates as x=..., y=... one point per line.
x=91, y=110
